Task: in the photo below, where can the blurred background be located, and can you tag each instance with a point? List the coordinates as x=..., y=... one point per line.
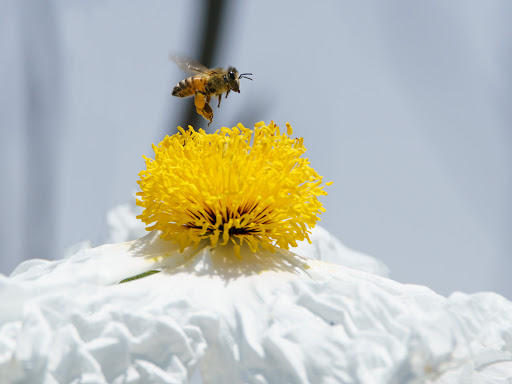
x=406, y=106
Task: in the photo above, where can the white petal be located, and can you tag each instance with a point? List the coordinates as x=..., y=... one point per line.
x=266, y=318
x=106, y=264
x=326, y=247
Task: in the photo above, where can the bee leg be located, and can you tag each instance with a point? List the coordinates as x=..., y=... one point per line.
x=227, y=93
x=208, y=113
x=202, y=107
x=220, y=98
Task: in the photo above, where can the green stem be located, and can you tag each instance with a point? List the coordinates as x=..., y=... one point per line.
x=138, y=276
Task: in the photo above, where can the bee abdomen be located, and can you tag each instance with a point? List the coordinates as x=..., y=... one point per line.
x=184, y=88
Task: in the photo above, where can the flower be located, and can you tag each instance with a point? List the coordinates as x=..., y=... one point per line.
x=260, y=318
x=218, y=187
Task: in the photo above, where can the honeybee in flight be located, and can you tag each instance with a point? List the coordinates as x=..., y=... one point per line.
x=206, y=83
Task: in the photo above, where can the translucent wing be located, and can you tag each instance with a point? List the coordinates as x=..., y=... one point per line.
x=190, y=66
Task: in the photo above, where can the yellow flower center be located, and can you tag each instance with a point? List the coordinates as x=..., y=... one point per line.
x=218, y=187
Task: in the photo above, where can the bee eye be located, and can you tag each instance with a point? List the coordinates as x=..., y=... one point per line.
x=232, y=75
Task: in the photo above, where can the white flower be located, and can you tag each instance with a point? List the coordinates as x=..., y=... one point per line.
x=261, y=319
x=231, y=303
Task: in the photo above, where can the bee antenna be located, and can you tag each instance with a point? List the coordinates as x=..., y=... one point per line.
x=243, y=76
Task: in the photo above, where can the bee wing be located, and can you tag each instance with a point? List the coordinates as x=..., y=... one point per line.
x=188, y=65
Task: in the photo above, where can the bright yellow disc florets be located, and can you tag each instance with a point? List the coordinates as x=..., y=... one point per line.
x=219, y=187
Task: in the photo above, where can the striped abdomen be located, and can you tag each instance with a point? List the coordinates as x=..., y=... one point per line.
x=189, y=86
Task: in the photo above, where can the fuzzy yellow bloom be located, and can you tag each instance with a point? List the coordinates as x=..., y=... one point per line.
x=219, y=187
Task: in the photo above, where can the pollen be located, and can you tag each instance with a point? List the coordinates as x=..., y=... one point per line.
x=236, y=186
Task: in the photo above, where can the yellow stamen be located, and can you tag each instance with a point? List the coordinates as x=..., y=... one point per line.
x=220, y=188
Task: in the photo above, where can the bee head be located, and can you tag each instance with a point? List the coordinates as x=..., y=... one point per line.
x=233, y=78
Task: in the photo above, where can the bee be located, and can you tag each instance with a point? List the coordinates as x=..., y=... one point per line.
x=206, y=83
